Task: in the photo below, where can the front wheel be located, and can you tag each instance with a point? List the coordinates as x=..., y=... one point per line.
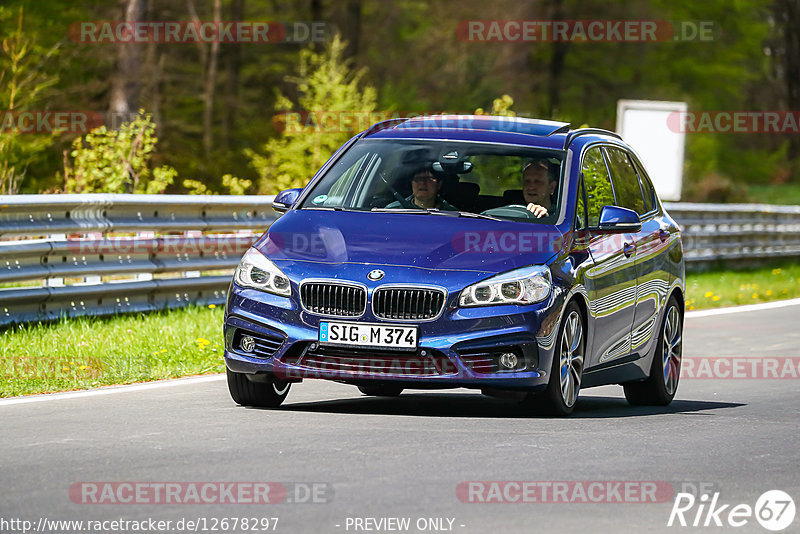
x=269, y=393
x=567, y=370
x=660, y=387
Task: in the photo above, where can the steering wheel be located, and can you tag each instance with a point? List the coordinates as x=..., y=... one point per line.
x=514, y=211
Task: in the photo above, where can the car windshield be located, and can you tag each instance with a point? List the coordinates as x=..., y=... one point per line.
x=442, y=177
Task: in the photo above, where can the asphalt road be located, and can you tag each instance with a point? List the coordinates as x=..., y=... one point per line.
x=405, y=457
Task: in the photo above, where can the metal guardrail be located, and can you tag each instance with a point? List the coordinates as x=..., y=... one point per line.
x=721, y=232
x=106, y=254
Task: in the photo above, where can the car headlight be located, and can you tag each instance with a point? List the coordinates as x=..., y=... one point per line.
x=256, y=271
x=522, y=286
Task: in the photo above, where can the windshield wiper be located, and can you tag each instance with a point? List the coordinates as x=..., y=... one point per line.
x=436, y=211
x=330, y=208
x=478, y=216
x=399, y=210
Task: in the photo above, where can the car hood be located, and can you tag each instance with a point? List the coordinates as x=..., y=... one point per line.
x=432, y=242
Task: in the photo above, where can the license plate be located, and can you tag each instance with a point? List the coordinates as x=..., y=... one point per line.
x=368, y=335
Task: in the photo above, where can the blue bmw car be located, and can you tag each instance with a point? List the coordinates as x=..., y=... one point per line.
x=515, y=256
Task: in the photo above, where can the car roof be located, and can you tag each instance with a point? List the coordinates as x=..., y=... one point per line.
x=485, y=128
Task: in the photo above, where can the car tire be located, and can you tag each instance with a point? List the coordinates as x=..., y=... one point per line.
x=561, y=394
x=381, y=390
x=660, y=387
x=267, y=394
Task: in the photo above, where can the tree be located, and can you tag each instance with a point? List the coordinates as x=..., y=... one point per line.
x=318, y=123
x=22, y=85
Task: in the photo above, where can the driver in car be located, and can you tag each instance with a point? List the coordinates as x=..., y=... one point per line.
x=538, y=185
x=425, y=187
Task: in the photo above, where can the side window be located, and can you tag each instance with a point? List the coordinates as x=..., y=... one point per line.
x=580, y=209
x=647, y=188
x=340, y=188
x=626, y=182
x=597, y=184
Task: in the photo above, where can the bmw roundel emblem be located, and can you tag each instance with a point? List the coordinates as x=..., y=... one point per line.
x=376, y=275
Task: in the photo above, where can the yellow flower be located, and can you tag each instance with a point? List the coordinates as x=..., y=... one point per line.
x=83, y=367
x=776, y=271
x=691, y=307
x=162, y=351
x=709, y=294
x=212, y=306
x=716, y=298
x=755, y=295
x=741, y=295
x=769, y=292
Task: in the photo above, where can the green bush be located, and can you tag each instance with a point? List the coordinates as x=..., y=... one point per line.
x=117, y=161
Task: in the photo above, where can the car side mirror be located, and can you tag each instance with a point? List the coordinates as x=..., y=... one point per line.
x=619, y=219
x=285, y=199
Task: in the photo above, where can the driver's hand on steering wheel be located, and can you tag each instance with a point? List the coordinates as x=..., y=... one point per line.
x=537, y=210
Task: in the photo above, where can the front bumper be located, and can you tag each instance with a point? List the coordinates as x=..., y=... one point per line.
x=461, y=348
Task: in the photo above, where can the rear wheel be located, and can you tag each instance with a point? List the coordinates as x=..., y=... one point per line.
x=381, y=390
x=567, y=370
x=659, y=389
x=268, y=393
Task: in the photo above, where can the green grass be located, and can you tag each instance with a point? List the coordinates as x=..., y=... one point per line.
x=90, y=352
x=775, y=194
x=733, y=287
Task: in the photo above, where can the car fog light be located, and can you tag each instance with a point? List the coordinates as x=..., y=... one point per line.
x=508, y=360
x=247, y=343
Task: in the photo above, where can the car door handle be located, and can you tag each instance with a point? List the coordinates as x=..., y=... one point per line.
x=663, y=235
x=628, y=249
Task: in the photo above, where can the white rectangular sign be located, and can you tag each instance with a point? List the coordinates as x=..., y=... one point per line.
x=645, y=125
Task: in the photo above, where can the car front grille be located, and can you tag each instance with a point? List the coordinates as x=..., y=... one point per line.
x=330, y=298
x=354, y=362
x=407, y=303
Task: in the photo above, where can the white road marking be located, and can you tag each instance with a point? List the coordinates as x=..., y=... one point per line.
x=742, y=309
x=110, y=390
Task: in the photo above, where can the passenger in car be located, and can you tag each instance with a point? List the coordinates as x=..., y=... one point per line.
x=425, y=187
x=538, y=186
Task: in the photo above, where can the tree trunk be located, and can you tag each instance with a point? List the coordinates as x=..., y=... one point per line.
x=233, y=63
x=352, y=26
x=557, y=60
x=787, y=14
x=209, y=90
x=125, y=84
x=316, y=16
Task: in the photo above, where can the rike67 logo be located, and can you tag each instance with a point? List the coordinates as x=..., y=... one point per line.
x=774, y=510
